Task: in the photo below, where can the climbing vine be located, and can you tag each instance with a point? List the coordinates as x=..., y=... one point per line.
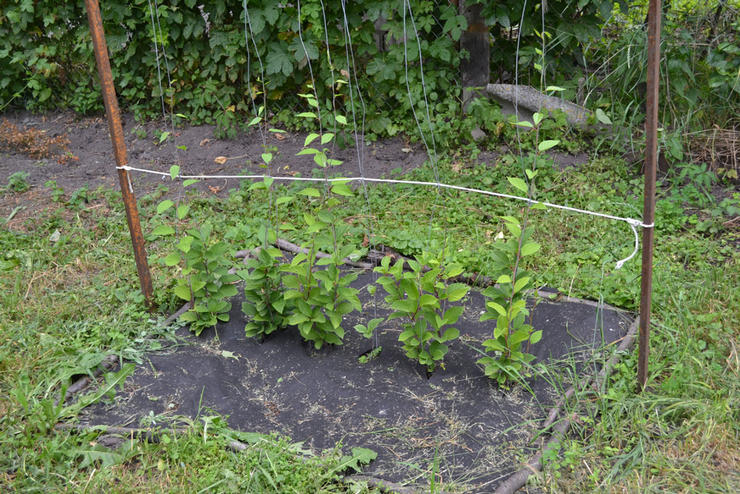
x=50, y=62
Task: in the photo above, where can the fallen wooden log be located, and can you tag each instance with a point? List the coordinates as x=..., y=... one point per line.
x=532, y=100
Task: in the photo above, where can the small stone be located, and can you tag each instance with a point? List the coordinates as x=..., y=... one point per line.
x=477, y=134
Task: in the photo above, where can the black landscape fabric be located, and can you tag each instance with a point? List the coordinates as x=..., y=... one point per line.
x=473, y=431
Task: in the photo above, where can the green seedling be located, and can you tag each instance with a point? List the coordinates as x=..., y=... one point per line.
x=420, y=297
x=265, y=303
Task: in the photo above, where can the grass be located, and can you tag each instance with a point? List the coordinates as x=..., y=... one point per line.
x=69, y=296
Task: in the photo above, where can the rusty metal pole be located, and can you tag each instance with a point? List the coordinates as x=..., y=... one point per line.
x=119, y=147
x=651, y=165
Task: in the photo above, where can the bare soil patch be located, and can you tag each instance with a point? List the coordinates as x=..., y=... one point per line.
x=89, y=142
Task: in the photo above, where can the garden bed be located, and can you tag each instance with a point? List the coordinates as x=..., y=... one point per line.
x=456, y=426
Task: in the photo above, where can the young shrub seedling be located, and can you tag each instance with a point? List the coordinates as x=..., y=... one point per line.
x=265, y=303
x=208, y=284
x=368, y=332
x=506, y=304
x=321, y=297
x=506, y=301
x=264, y=293
x=420, y=297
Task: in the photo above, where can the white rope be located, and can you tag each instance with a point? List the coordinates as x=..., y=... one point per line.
x=632, y=222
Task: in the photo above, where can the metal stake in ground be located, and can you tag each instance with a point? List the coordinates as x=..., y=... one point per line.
x=119, y=147
x=648, y=212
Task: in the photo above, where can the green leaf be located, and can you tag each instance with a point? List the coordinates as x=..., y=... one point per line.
x=453, y=314
x=189, y=182
x=537, y=117
x=521, y=283
x=320, y=159
x=164, y=206
x=530, y=248
x=278, y=61
x=341, y=119
x=503, y=279
x=172, y=259
x=182, y=211
x=407, y=306
x=95, y=455
x=310, y=192
x=327, y=137
x=185, y=243
x=254, y=121
x=554, y=88
x=452, y=270
x=174, y=171
x=457, y=291
x=518, y=337
x=451, y=334
x=437, y=351
x=182, y=290
x=306, y=114
x=360, y=456
x=602, y=117
x=545, y=145
x=519, y=184
x=342, y=190
x=493, y=346
x=197, y=285
x=163, y=230
x=267, y=157
x=310, y=138
x=524, y=123
x=497, y=307
x=189, y=316
x=406, y=334
x=535, y=337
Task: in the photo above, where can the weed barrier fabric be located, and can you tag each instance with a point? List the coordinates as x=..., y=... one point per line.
x=456, y=425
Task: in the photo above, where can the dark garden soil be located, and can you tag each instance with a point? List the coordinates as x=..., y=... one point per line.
x=475, y=432
x=89, y=141
x=87, y=160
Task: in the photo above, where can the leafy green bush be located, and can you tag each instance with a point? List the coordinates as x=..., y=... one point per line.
x=573, y=26
x=208, y=284
x=420, y=297
x=214, y=75
x=17, y=182
x=700, y=59
x=320, y=298
x=265, y=303
x=506, y=304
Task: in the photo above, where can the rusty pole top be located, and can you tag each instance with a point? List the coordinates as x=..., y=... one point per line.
x=119, y=147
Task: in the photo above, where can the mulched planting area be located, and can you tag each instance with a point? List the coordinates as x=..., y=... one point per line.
x=456, y=425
